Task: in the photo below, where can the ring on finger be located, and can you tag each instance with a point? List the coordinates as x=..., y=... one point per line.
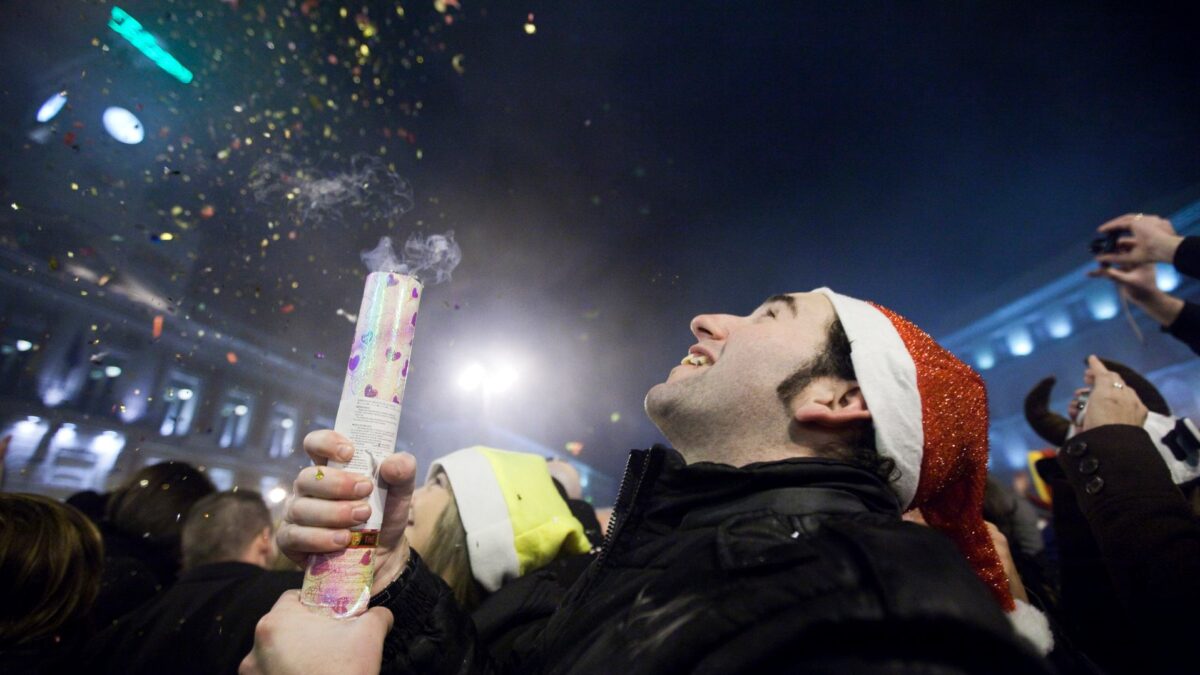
x=1119, y=384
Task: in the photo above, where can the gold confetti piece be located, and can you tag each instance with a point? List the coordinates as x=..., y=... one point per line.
x=320, y=474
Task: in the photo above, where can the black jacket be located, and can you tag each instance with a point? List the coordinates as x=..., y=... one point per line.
x=203, y=624
x=135, y=571
x=1130, y=551
x=802, y=564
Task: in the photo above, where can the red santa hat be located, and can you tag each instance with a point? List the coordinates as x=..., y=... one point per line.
x=930, y=414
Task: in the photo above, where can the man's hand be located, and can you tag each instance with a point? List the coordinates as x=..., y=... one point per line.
x=326, y=502
x=1150, y=239
x=292, y=638
x=1139, y=283
x=1000, y=542
x=1111, y=401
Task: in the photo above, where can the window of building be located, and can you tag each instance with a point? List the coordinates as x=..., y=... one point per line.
x=233, y=419
x=97, y=396
x=282, y=431
x=181, y=395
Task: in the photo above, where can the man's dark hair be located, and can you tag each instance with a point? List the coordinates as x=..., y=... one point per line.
x=152, y=504
x=858, y=447
x=221, y=526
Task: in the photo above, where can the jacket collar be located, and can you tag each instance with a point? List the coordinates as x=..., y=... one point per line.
x=798, y=486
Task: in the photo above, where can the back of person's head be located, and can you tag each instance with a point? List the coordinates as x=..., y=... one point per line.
x=504, y=519
x=153, y=503
x=223, y=527
x=51, y=558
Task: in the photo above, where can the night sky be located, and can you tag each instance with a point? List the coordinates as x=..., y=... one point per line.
x=609, y=169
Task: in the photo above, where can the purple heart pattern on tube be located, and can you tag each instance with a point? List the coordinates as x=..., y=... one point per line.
x=383, y=337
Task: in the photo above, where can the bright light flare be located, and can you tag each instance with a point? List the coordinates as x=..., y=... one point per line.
x=472, y=377
x=276, y=495
x=123, y=126
x=52, y=106
x=502, y=379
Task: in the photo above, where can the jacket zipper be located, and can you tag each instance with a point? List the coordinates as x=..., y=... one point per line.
x=631, y=483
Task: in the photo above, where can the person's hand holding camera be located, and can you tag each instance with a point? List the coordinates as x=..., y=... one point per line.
x=1141, y=239
x=1111, y=401
x=1139, y=283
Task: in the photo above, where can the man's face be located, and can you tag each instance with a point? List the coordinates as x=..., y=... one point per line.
x=732, y=372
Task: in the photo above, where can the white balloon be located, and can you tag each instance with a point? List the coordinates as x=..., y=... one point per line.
x=123, y=125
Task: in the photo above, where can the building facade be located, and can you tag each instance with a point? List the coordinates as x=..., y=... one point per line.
x=99, y=377
x=1051, y=331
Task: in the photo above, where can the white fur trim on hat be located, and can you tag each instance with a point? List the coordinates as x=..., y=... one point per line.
x=1031, y=624
x=888, y=378
x=484, y=517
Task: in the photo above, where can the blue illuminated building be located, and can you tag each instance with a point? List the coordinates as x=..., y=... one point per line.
x=1052, y=329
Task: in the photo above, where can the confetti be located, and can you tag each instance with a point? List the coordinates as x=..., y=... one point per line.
x=575, y=448
x=231, y=357
x=156, y=328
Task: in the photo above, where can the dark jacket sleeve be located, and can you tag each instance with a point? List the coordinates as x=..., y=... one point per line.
x=1142, y=525
x=1186, y=326
x=1187, y=257
x=431, y=633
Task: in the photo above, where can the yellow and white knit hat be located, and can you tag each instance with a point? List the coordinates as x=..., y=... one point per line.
x=514, y=518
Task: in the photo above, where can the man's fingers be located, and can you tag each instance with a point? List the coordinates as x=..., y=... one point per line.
x=399, y=470
x=309, y=512
x=1095, y=364
x=326, y=483
x=326, y=444
x=249, y=665
x=1118, y=223
x=299, y=540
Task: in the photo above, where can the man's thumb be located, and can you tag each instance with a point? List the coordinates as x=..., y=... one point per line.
x=399, y=471
x=382, y=616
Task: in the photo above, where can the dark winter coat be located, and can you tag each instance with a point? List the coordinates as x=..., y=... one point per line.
x=135, y=571
x=1129, y=547
x=801, y=565
x=203, y=624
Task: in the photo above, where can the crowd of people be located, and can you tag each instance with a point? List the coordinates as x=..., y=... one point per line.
x=824, y=506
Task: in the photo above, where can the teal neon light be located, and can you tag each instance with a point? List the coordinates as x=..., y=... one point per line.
x=128, y=27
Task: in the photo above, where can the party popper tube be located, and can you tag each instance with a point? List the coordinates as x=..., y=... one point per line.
x=339, y=584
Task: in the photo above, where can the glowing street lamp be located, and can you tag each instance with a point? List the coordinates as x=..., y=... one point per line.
x=491, y=380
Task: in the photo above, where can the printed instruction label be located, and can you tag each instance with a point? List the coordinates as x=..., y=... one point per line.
x=371, y=426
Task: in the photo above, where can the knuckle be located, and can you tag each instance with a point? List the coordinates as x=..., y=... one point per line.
x=263, y=629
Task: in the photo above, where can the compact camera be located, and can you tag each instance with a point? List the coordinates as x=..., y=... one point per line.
x=1107, y=243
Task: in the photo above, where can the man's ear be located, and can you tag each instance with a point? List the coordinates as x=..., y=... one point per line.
x=831, y=403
